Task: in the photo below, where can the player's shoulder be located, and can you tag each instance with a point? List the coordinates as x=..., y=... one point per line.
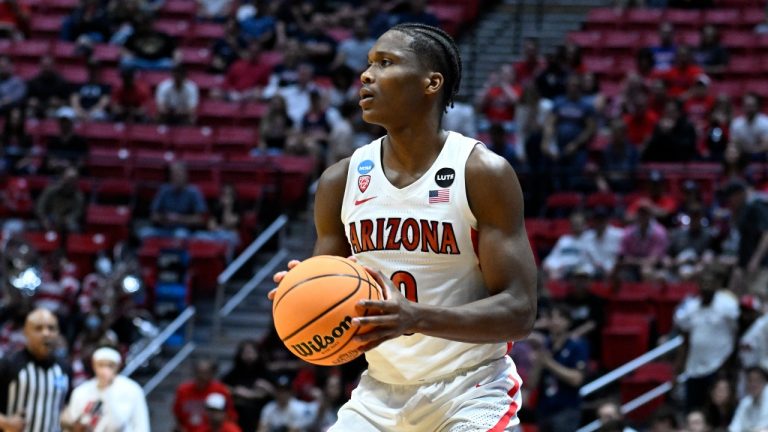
x=484, y=164
x=335, y=176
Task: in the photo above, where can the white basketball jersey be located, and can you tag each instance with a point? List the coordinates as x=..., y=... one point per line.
x=423, y=236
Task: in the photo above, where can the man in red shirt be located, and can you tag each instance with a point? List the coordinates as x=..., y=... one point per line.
x=129, y=102
x=531, y=64
x=189, y=406
x=700, y=103
x=683, y=74
x=640, y=121
x=14, y=19
x=499, y=95
x=246, y=77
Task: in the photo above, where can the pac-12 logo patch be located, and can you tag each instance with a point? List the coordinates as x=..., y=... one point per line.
x=363, y=181
x=445, y=177
x=365, y=167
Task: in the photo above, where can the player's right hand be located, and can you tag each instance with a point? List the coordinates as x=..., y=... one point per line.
x=277, y=277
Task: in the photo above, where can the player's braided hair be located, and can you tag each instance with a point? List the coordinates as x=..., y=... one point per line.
x=440, y=53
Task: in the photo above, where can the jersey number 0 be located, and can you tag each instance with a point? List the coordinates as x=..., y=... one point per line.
x=406, y=283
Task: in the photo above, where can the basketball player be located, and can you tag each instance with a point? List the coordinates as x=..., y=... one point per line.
x=438, y=220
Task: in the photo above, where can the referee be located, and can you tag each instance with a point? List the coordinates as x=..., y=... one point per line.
x=34, y=385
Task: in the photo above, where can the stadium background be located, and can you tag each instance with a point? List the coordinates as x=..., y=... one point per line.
x=65, y=103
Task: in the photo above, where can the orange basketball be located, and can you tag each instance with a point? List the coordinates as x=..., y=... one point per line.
x=314, y=306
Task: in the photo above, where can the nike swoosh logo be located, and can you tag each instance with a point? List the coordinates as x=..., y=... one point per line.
x=363, y=201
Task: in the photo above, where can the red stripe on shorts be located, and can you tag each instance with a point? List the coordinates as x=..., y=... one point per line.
x=511, y=411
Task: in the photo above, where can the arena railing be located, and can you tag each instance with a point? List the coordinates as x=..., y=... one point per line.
x=168, y=367
x=221, y=310
x=627, y=368
x=153, y=347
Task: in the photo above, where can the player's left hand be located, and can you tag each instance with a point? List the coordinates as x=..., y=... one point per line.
x=388, y=318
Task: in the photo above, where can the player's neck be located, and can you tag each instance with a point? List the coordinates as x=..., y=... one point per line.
x=413, y=148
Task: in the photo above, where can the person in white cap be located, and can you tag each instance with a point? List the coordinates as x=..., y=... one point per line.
x=108, y=402
x=217, y=419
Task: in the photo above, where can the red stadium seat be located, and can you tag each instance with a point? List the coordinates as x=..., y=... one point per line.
x=585, y=39
x=110, y=135
x=218, y=113
x=235, y=140
x=602, y=199
x=107, y=54
x=722, y=17
x=82, y=250
x=207, y=261
x=114, y=191
x=562, y=203
x=691, y=18
x=29, y=49
x=178, y=9
x=643, y=18
x=745, y=66
x=251, y=113
x=643, y=380
x=45, y=26
x=152, y=165
x=114, y=220
x=44, y=242
x=109, y=163
x=191, y=139
x=197, y=59
x=147, y=136
x=604, y=18
x=624, y=339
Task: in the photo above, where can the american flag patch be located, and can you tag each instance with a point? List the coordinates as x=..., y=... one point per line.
x=439, y=196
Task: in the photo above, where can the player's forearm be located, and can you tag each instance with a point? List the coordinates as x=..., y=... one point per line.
x=499, y=318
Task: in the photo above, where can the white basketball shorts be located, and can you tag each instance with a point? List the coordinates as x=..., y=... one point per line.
x=485, y=399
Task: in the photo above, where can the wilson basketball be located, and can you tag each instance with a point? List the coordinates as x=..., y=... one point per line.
x=314, y=306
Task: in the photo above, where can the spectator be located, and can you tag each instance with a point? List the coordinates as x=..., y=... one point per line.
x=285, y=413
x=297, y=96
x=17, y=144
x=709, y=323
x=315, y=127
x=60, y=207
x=122, y=16
x=753, y=346
x=319, y=48
x=216, y=415
x=697, y=422
x=109, y=401
x=91, y=100
x=717, y=133
x=497, y=99
x=224, y=220
x=67, y=148
x=590, y=88
x=189, y=405
x=569, y=131
x=721, y=404
x=658, y=97
x=690, y=246
x=58, y=291
x=12, y=88
x=551, y=81
x=94, y=333
x=663, y=202
x=587, y=309
x=640, y=121
x=286, y=73
x=257, y=24
x=683, y=74
x=699, y=104
x=248, y=381
x=663, y=420
x=14, y=19
x=749, y=131
x=643, y=245
x=131, y=99
x=246, y=78
x=149, y=49
x=341, y=141
x=570, y=251
x=531, y=115
x=619, y=161
x=750, y=215
x=227, y=49
x=415, y=11
x=276, y=130
x=645, y=65
x=558, y=373
x=178, y=208
x=37, y=367
x=48, y=90
x=353, y=52
x=531, y=64
x=87, y=24
x=343, y=88
x=711, y=54
x=572, y=59
x=461, y=117
x=604, y=242
x=327, y=401
x=610, y=411
x=752, y=412
x=674, y=138
x=214, y=10
x=177, y=98
x=664, y=52
x=500, y=144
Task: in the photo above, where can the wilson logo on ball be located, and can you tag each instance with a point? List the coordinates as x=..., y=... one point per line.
x=320, y=342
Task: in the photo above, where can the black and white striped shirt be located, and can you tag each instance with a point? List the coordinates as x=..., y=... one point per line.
x=38, y=388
